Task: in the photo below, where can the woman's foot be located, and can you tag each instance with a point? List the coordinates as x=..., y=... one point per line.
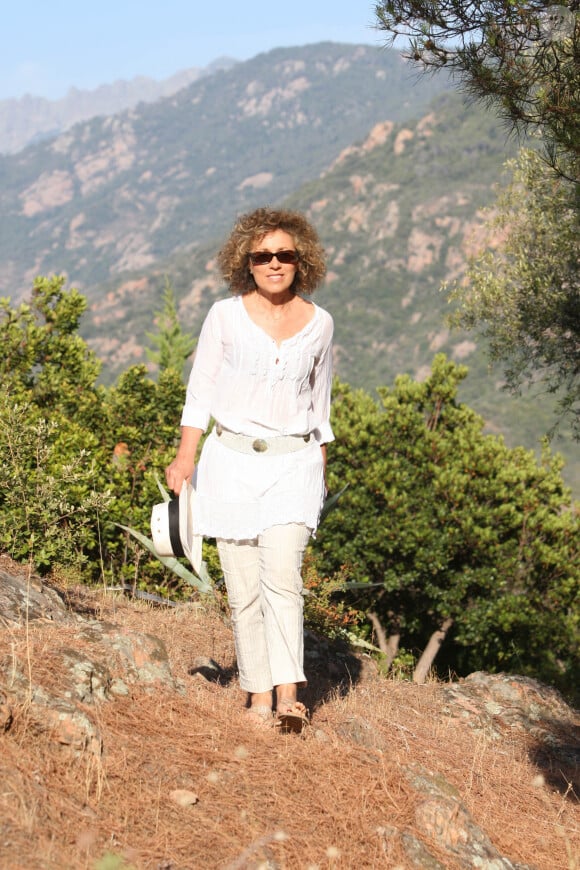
x=291, y=715
x=259, y=715
x=259, y=711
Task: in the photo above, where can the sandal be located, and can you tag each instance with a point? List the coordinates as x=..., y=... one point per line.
x=291, y=716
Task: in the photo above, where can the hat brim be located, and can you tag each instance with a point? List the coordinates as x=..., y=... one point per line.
x=172, y=528
x=191, y=543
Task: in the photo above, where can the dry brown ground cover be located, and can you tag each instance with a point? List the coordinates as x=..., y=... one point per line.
x=335, y=797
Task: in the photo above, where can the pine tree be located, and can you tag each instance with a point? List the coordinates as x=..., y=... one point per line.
x=171, y=345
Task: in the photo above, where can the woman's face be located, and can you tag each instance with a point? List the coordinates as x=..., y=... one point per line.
x=274, y=278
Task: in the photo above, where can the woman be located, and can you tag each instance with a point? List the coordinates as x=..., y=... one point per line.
x=263, y=371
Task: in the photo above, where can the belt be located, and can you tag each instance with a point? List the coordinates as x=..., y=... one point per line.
x=275, y=446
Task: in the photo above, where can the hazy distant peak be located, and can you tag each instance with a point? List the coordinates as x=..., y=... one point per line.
x=31, y=118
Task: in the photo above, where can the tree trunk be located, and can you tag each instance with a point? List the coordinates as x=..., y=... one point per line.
x=428, y=657
x=392, y=648
x=387, y=645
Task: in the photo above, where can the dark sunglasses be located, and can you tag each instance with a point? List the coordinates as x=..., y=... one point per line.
x=262, y=258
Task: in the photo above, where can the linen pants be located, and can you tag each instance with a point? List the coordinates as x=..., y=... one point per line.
x=264, y=583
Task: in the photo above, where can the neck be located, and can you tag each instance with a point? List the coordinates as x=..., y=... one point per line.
x=275, y=301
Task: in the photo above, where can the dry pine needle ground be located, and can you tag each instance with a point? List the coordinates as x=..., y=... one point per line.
x=256, y=798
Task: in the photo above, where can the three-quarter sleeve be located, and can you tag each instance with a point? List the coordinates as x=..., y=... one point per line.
x=206, y=367
x=321, y=381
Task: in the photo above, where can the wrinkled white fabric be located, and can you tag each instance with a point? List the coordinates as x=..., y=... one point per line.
x=250, y=384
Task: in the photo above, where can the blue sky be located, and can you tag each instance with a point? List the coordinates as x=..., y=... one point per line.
x=49, y=46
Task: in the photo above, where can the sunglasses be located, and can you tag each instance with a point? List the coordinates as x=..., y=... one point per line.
x=262, y=258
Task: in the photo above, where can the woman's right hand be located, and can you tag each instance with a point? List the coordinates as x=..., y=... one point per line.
x=177, y=472
x=183, y=465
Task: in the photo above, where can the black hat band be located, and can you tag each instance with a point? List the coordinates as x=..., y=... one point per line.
x=173, y=518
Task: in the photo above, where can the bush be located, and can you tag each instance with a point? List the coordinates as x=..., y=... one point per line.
x=442, y=522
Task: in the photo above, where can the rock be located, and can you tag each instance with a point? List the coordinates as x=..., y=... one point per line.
x=442, y=819
x=22, y=598
x=500, y=704
x=69, y=726
x=206, y=668
x=6, y=715
x=183, y=797
x=97, y=664
x=360, y=731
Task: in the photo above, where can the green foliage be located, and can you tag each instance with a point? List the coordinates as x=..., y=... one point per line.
x=525, y=289
x=520, y=57
x=43, y=359
x=49, y=501
x=112, y=861
x=172, y=346
x=78, y=458
x=325, y=610
x=440, y=520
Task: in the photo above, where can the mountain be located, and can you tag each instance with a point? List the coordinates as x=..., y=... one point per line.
x=398, y=214
x=30, y=119
x=121, y=192
x=395, y=212
x=394, y=172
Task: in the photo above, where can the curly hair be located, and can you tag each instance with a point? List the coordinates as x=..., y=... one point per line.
x=234, y=262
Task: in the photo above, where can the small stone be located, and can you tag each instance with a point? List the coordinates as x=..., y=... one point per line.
x=538, y=781
x=183, y=797
x=206, y=668
x=241, y=752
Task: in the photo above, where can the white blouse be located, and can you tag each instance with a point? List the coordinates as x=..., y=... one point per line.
x=252, y=385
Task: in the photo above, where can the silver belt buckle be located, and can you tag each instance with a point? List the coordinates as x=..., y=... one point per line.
x=259, y=445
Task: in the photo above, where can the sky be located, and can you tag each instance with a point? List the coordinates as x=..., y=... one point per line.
x=49, y=46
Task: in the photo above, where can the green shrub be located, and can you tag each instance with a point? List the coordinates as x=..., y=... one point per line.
x=442, y=521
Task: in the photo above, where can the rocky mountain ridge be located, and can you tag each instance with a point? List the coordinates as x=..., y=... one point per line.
x=30, y=119
x=125, y=191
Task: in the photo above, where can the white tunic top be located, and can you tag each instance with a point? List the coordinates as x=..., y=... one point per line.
x=250, y=384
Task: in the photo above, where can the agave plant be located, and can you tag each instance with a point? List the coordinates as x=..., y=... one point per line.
x=201, y=582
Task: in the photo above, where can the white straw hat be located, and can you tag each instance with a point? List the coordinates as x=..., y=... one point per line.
x=172, y=527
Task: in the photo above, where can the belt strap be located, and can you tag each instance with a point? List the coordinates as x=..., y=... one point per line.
x=276, y=446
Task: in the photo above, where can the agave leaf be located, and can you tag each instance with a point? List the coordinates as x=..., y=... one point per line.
x=364, y=644
x=331, y=503
x=200, y=582
x=164, y=494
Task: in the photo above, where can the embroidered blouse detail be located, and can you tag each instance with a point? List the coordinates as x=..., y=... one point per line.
x=252, y=385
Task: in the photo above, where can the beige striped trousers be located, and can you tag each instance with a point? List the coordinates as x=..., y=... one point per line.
x=264, y=583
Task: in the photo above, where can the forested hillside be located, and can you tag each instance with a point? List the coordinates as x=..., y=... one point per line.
x=394, y=176
x=120, y=192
